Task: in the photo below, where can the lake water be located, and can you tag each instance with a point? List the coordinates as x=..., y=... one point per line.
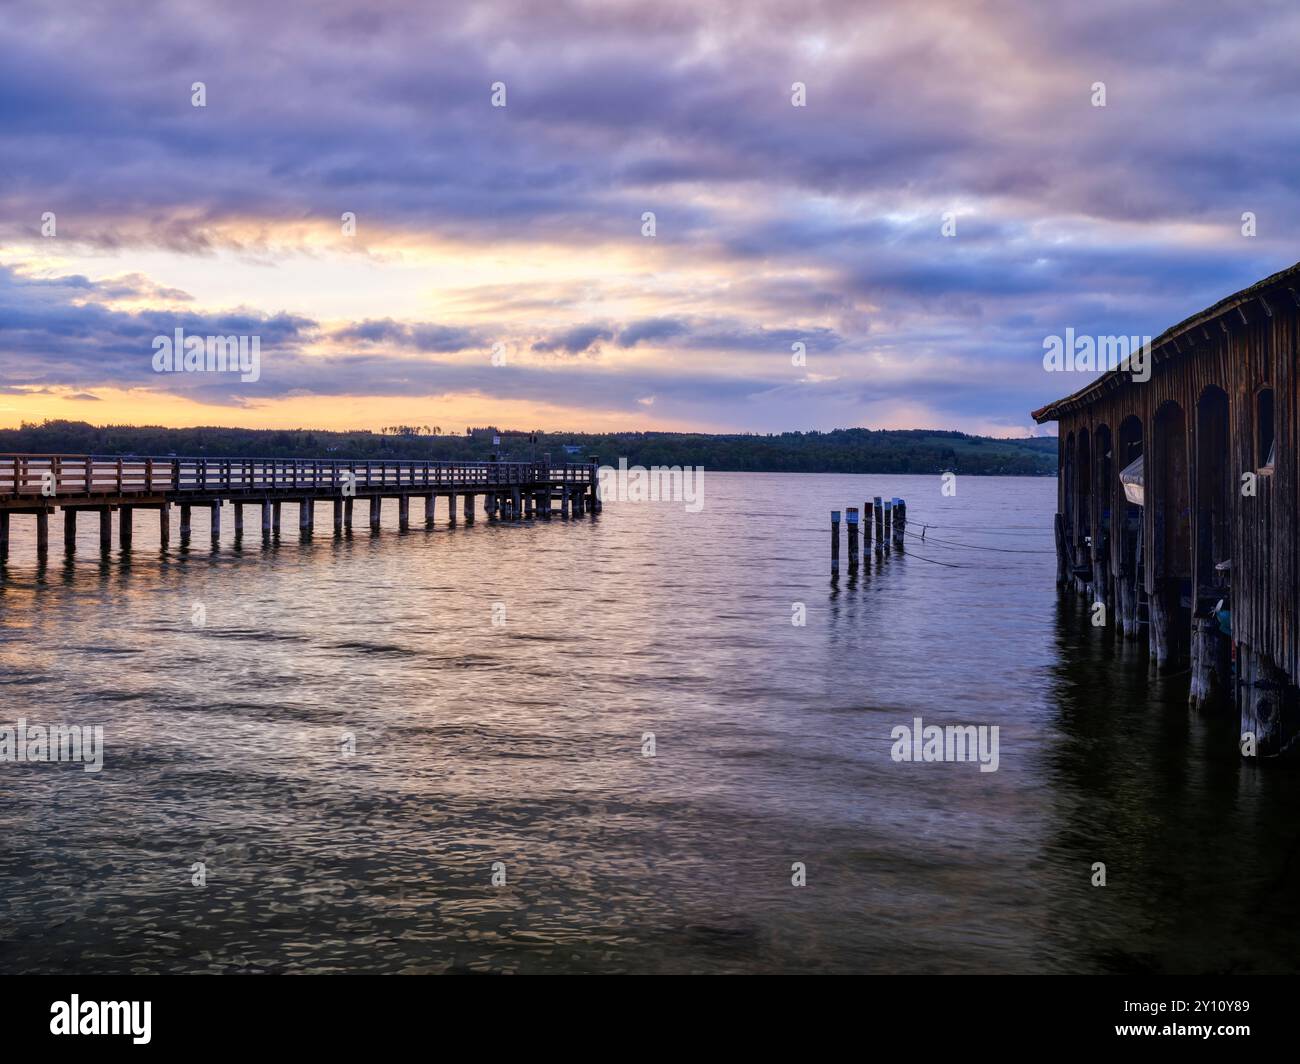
x=521, y=742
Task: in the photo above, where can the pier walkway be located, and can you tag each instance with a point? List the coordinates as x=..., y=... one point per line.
x=38, y=484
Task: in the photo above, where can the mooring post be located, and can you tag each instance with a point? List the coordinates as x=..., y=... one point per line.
x=106, y=529
x=164, y=525
x=404, y=512
x=185, y=524
x=868, y=516
x=70, y=531
x=124, y=527
x=216, y=524
x=900, y=522
x=835, y=542
x=889, y=523
x=851, y=519
x=376, y=511
x=879, y=508
x=42, y=533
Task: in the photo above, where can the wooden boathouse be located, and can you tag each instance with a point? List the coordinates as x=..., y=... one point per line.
x=36, y=485
x=1177, y=505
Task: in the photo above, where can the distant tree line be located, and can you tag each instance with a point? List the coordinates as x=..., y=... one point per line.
x=839, y=451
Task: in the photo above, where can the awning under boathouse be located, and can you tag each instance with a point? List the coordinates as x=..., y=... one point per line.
x=1131, y=477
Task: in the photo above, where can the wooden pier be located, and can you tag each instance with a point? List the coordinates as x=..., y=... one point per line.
x=1179, y=505
x=36, y=486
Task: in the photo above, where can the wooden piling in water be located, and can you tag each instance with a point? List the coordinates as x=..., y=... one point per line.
x=835, y=542
x=216, y=525
x=164, y=525
x=266, y=518
x=376, y=512
x=888, y=523
x=70, y=531
x=469, y=507
x=347, y=513
x=305, y=515
x=124, y=522
x=429, y=501
x=451, y=508
x=239, y=519
x=338, y=517
x=404, y=512
x=185, y=525
x=879, y=507
x=42, y=533
x=900, y=522
x=4, y=533
x=105, y=529
x=851, y=519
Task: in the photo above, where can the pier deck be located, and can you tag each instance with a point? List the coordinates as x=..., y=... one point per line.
x=37, y=485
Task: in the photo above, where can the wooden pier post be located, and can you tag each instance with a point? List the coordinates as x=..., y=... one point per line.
x=4, y=533
x=889, y=523
x=239, y=519
x=105, y=529
x=338, y=517
x=275, y=518
x=451, y=508
x=124, y=522
x=900, y=522
x=404, y=512
x=164, y=525
x=185, y=524
x=347, y=513
x=868, y=517
x=564, y=500
x=376, y=512
x=835, y=542
x=266, y=518
x=879, y=508
x=428, y=508
x=516, y=510
x=851, y=519
x=216, y=524
x=469, y=507
x=70, y=531
x=306, y=514
x=529, y=502
x=1211, y=684
x=42, y=533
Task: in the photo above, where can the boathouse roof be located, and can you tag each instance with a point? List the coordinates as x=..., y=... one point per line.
x=1170, y=343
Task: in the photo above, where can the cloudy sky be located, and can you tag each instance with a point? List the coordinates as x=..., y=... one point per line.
x=519, y=229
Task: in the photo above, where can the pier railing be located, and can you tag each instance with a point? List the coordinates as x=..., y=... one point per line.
x=63, y=476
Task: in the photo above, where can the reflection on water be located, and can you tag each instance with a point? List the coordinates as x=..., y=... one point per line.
x=522, y=743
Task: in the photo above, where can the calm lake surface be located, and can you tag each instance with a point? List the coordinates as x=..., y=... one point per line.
x=521, y=743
